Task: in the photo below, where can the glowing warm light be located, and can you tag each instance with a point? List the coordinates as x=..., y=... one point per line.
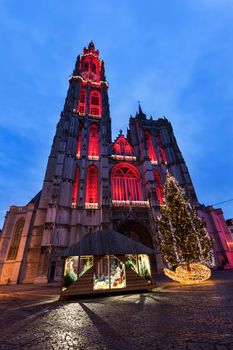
x=118, y=203
x=127, y=158
x=93, y=157
x=91, y=205
x=197, y=274
x=97, y=84
x=94, y=116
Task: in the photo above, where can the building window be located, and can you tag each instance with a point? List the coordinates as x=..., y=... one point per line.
x=75, y=189
x=126, y=183
x=150, y=147
x=159, y=187
x=82, y=102
x=95, y=105
x=92, y=185
x=95, y=99
x=86, y=67
x=14, y=246
x=79, y=143
x=93, y=152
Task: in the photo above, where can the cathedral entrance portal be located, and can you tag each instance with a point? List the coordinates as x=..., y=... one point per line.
x=139, y=232
x=136, y=231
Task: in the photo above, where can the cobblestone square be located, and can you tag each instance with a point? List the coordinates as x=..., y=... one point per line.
x=170, y=317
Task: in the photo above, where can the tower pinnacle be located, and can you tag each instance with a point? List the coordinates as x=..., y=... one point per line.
x=91, y=46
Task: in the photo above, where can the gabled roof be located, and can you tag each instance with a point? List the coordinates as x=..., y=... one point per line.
x=104, y=243
x=123, y=138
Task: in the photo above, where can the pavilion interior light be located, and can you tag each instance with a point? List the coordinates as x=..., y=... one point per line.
x=196, y=274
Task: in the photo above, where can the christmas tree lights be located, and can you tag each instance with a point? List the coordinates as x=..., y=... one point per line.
x=184, y=242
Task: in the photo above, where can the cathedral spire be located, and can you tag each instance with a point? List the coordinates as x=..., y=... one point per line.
x=139, y=108
x=140, y=112
x=91, y=46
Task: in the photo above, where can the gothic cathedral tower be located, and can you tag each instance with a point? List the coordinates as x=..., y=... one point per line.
x=92, y=183
x=74, y=198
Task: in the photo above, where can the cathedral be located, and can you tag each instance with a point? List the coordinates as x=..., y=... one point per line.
x=93, y=182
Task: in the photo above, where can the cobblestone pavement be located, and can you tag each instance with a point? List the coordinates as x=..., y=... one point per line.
x=170, y=317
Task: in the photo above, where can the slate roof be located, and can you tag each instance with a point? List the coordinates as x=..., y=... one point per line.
x=104, y=243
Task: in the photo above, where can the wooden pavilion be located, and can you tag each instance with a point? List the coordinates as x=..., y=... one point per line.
x=106, y=261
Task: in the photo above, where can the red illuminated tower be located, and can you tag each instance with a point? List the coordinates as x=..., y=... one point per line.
x=92, y=183
x=77, y=171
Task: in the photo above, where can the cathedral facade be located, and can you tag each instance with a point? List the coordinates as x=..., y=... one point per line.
x=95, y=183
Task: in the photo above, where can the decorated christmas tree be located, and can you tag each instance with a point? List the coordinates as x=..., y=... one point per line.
x=184, y=241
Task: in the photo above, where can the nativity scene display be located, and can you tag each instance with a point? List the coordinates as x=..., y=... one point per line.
x=109, y=269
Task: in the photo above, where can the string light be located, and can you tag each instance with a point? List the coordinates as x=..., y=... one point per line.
x=184, y=240
x=119, y=157
x=75, y=77
x=127, y=203
x=91, y=205
x=197, y=273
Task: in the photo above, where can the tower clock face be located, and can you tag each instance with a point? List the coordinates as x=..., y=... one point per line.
x=89, y=76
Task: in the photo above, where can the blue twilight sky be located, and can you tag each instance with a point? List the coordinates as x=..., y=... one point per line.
x=175, y=56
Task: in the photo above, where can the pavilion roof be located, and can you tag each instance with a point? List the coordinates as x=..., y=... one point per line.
x=105, y=243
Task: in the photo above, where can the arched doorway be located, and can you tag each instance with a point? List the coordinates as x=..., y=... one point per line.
x=139, y=233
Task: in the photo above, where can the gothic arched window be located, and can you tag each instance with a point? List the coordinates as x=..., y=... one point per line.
x=95, y=105
x=14, y=246
x=92, y=185
x=93, y=151
x=79, y=142
x=150, y=147
x=75, y=188
x=82, y=102
x=126, y=183
x=159, y=187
